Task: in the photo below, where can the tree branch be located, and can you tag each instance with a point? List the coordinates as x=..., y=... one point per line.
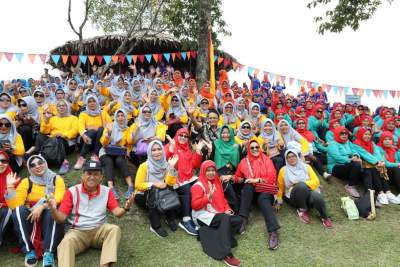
x=88, y=4
x=69, y=19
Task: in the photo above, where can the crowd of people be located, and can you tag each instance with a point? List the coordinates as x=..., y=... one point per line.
x=217, y=152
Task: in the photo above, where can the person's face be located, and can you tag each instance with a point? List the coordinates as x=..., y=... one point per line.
x=387, y=142
x=268, y=127
x=207, y=87
x=92, y=103
x=120, y=83
x=365, y=123
x=39, y=97
x=255, y=149
x=291, y=159
x=61, y=107
x=53, y=87
x=309, y=105
x=136, y=85
x=212, y=119
x=204, y=104
x=228, y=109
x=183, y=138
x=3, y=163
x=153, y=96
x=397, y=123
x=175, y=102
x=99, y=85
x=127, y=97
x=5, y=126
x=120, y=118
x=23, y=106
x=228, y=97
x=158, y=85
x=344, y=136
x=60, y=95
x=5, y=101
x=303, y=112
x=255, y=111
x=284, y=128
x=335, y=124
x=90, y=84
x=246, y=128
x=349, y=108
x=289, y=103
x=241, y=105
x=38, y=166
x=390, y=125
x=73, y=85
x=210, y=173
x=146, y=113
x=301, y=125
x=337, y=114
x=225, y=135
x=126, y=86
x=92, y=178
x=185, y=92
x=156, y=152
x=319, y=112
x=388, y=115
x=367, y=136
x=23, y=92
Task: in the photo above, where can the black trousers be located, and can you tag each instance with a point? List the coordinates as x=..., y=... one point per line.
x=185, y=197
x=302, y=197
x=5, y=215
x=394, y=177
x=317, y=164
x=373, y=180
x=108, y=162
x=154, y=214
x=15, y=167
x=278, y=161
x=349, y=171
x=26, y=132
x=95, y=146
x=265, y=202
x=231, y=197
x=41, y=138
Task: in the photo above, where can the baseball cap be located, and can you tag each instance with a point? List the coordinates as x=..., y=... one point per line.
x=92, y=165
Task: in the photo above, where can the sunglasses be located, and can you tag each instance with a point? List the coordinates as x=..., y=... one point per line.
x=184, y=136
x=301, y=122
x=7, y=125
x=343, y=133
x=22, y=105
x=4, y=161
x=146, y=111
x=254, y=148
x=39, y=95
x=246, y=127
x=229, y=107
x=34, y=165
x=174, y=100
x=319, y=111
x=5, y=100
x=204, y=103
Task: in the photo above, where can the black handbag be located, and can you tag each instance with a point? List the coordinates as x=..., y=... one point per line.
x=53, y=151
x=114, y=150
x=163, y=199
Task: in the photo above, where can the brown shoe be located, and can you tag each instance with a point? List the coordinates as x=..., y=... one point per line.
x=273, y=240
x=232, y=261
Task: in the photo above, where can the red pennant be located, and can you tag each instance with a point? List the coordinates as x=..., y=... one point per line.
x=392, y=93
x=155, y=56
x=283, y=79
x=74, y=59
x=141, y=58
x=91, y=59
x=134, y=57
x=376, y=93
x=328, y=87
x=380, y=93
x=9, y=56
x=122, y=59
x=291, y=80
x=99, y=59
x=64, y=59
x=32, y=57
x=173, y=56
x=309, y=84
x=355, y=91
x=398, y=94
x=235, y=65
x=188, y=55
x=361, y=92
x=179, y=55
x=227, y=62
x=219, y=60
x=1, y=55
x=193, y=54
x=115, y=58
x=43, y=58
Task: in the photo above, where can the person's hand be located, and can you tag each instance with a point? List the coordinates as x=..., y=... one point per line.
x=109, y=127
x=160, y=185
x=51, y=202
x=191, y=109
x=229, y=212
x=381, y=164
x=86, y=139
x=12, y=180
x=6, y=146
x=129, y=202
x=113, y=103
x=277, y=207
x=199, y=146
x=132, y=67
x=225, y=178
x=34, y=216
x=251, y=180
x=47, y=114
x=172, y=161
x=145, y=98
x=171, y=143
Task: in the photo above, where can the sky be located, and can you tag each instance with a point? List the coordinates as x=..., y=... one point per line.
x=270, y=35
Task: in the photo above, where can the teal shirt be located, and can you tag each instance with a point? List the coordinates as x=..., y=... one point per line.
x=329, y=137
x=395, y=137
x=389, y=164
x=349, y=118
x=368, y=157
x=314, y=124
x=339, y=154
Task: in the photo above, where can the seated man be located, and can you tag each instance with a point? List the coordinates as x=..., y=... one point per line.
x=85, y=208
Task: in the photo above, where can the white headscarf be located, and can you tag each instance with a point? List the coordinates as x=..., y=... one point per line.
x=11, y=108
x=156, y=169
x=243, y=136
x=95, y=112
x=273, y=136
x=177, y=111
x=147, y=127
x=117, y=129
x=46, y=179
x=244, y=113
x=12, y=134
x=128, y=107
x=229, y=119
x=291, y=135
x=33, y=109
x=156, y=105
x=67, y=111
x=296, y=173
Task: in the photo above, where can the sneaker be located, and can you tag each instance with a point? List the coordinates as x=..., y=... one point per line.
x=327, y=223
x=79, y=163
x=159, y=231
x=303, y=216
x=189, y=227
x=327, y=176
x=378, y=204
x=232, y=261
x=392, y=198
x=273, y=240
x=243, y=227
x=30, y=259
x=48, y=259
x=173, y=225
x=64, y=169
x=116, y=195
x=129, y=192
x=382, y=198
x=94, y=157
x=352, y=191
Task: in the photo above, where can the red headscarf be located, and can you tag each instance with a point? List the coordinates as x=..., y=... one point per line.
x=352, y=111
x=304, y=132
x=365, y=117
x=319, y=116
x=184, y=153
x=385, y=125
x=331, y=123
x=368, y=146
x=335, y=110
x=390, y=151
x=336, y=134
x=218, y=200
x=278, y=111
x=3, y=179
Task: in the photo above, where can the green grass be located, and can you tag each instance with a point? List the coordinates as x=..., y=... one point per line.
x=349, y=243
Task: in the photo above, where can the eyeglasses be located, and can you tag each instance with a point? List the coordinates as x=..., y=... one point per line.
x=301, y=122
x=22, y=105
x=146, y=111
x=174, y=100
x=39, y=95
x=183, y=136
x=246, y=127
x=343, y=133
x=7, y=125
x=4, y=161
x=254, y=147
x=5, y=100
x=34, y=165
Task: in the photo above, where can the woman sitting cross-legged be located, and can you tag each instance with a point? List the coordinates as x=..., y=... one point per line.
x=258, y=173
x=5, y=211
x=299, y=184
x=155, y=173
x=211, y=212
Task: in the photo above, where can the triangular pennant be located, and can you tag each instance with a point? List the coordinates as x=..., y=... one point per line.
x=227, y=62
x=235, y=65
x=355, y=91
x=1, y=55
x=299, y=83
x=107, y=59
x=179, y=55
x=215, y=58
x=328, y=88
x=167, y=56
x=376, y=93
x=385, y=94
x=341, y=89
x=129, y=59
x=250, y=70
x=188, y=54
x=183, y=54
x=193, y=54
x=283, y=79
x=380, y=93
x=83, y=59
x=256, y=72
x=155, y=56
x=271, y=77
x=91, y=59
x=309, y=84
x=135, y=57
x=346, y=90
x=314, y=84
x=361, y=92
x=141, y=58
x=19, y=56
x=291, y=80
x=335, y=90
x=173, y=57
x=148, y=57
x=32, y=58
x=74, y=59
x=43, y=58
x=8, y=56
x=64, y=59
x=99, y=59
x=115, y=58
x=122, y=59
x=398, y=94
x=219, y=60
x=393, y=93
x=368, y=92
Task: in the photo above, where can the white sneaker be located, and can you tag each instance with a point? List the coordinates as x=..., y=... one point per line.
x=327, y=176
x=382, y=198
x=392, y=198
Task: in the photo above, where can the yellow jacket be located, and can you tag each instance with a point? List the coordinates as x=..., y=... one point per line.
x=241, y=141
x=161, y=130
x=38, y=192
x=234, y=125
x=312, y=183
x=105, y=139
x=19, y=146
x=261, y=140
x=87, y=122
x=66, y=126
x=117, y=106
x=141, y=183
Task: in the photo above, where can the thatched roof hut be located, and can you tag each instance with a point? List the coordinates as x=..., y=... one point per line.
x=139, y=44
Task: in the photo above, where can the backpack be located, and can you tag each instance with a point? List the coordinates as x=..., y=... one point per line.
x=53, y=151
x=350, y=208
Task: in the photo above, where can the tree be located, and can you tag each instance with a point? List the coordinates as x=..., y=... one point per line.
x=346, y=13
x=79, y=32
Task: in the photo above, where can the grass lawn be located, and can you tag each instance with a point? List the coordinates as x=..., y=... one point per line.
x=349, y=243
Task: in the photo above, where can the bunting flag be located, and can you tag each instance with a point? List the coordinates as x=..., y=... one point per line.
x=64, y=59
x=173, y=57
x=183, y=56
x=19, y=56
x=32, y=57
x=43, y=58
x=9, y=56
x=211, y=62
x=167, y=56
x=241, y=67
x=355, y=91
x=141, y=58
x=250, y=71
x=188, y=55
x=193, y=54
x=328, y=88
x=368, y=92
x=134, y=59
x=99, y=59
x=122, y=58
x=155, y=56
x=115, y=58
x=91, y=59
x=56, y=59
x=271, y=77
x=291, y=80
x=361, y=92
x=179, y=55
x=83, y=59
x=393, y=93
x=107, y=59
x=74, y=59
x=148, y=57
x=1, y=55
x=129, y=59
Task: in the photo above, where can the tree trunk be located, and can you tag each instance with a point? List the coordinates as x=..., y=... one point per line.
x=202, y=63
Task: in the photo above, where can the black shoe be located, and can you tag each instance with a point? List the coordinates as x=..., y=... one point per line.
x=243, y=227
x=159, y=231
x=173, y=225
x=273, y=240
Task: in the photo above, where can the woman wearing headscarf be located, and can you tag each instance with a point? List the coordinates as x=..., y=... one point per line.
x=136, y=93
x=176, y=116
x=388, y=125
x=188, y=162
x=229, y=117
x=115, y=137
x=63, y=126
x=255, y=117
x=30, y=215
x=186, y=98
x=98, y=90
x=154, y=102
x=156, y=172
x=240, y=109
x=299, y=185
x=91, y=125
x=124, y=102
x=244, y=134
x=27, y=120
x=291, y=135
x=226, y=155
x=211, y=212
x=258, y=173
x=206, y=93
x=329, y=134
x=5, y=211
x=117, y=89
x=316, y=122
x=373, y=162
x=145, y=129
x=6, y=107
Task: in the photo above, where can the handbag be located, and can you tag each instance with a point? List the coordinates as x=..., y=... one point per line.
x=141, y=148
x=262, y=187
x=163, y=199
x=350, y=208
x=53, y=151
x=114, y=150
x=366, y=205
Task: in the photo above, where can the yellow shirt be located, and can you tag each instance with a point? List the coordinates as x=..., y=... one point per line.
x=141, y=183
x=117, y=106
x=87, y=122
x=234, y=125
x=161, y=130
x=66, y=126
